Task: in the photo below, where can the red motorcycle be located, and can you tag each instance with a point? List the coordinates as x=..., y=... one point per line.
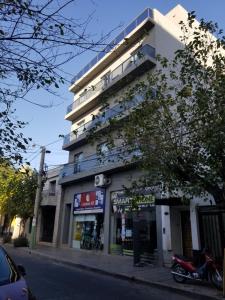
x=184, y=268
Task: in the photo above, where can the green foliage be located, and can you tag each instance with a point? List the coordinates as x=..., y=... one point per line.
x=179, y=127
x=21, y=242
x=36, y=39
x=17, y=191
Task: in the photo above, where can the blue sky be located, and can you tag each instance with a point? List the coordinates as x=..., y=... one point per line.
x=45, y=125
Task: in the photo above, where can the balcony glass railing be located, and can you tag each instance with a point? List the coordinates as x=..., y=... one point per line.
x=102, y=119
x=95, y=162
x=145, y=51
x=143, y=16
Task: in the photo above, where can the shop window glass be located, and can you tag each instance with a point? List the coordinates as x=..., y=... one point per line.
x=88, y=232
x=123, y=230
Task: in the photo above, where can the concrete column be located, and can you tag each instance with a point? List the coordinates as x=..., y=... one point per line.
x=107, y=214
x=71, y=226
x=58, y=218
x=62, y=220
x=166, y=234
x=39, y=225
x=159, y=234
x=196, y=245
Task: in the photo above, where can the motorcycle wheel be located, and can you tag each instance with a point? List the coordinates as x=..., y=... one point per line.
x=178, y=269
x=216, y=278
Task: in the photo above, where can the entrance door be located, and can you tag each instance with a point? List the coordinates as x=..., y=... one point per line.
x=186, y=233
x=212, y=230
x=66, y=226
x=48, y=219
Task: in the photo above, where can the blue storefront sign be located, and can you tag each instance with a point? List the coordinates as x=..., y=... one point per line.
x=89, y=202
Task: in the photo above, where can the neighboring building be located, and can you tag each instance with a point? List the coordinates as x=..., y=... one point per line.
x=50, y=209
x=94, y=209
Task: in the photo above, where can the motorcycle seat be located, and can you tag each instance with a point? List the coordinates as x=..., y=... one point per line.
x=183, y=258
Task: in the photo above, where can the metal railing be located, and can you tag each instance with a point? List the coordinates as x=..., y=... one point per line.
x=102, y=118
x=143, y=52
x=48, y=193
x=147, y=13
x=94, y=162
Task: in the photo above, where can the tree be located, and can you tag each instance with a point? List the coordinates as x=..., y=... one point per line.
x=178, y=126
x=36, y=39
x=17, y=191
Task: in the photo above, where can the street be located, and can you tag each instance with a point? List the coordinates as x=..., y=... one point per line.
x=49, y=280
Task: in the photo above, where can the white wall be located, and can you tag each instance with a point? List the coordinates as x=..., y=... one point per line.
x=16, y=228
x=195, y=202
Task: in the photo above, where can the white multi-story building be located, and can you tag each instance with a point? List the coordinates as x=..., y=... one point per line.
x=95, y=211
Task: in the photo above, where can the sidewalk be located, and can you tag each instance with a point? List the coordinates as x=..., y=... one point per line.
x=122, y=267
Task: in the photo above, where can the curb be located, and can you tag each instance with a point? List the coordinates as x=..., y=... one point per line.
x=137, y=280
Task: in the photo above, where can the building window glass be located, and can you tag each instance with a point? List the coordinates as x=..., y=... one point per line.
x=136, y=55
x=103, y=153
x=77, y=162
x=103, y=148
x=52, y=187
x=80, y=127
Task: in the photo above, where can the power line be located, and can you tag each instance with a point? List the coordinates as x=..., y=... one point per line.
x=35, y=152
x=30, y=160
x=54, y=142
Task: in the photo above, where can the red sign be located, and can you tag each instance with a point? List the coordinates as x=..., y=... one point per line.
x=88, y=200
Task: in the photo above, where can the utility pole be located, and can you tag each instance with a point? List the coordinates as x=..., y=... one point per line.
x=37, y=199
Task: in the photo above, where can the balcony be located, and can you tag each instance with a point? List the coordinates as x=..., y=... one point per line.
x=115, y=159
x=139, y=25
x=134, y=66
x=71, y=139
x=49, y=197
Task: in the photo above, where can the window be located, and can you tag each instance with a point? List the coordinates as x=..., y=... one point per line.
x=103, y=153
x=82, y=96
x=77, y=162
x=136, y=55
x=80, y=127
x=103, y=149
x=52, y=188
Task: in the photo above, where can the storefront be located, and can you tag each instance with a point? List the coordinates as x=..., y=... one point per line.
x=130, y=224
x=88, y=220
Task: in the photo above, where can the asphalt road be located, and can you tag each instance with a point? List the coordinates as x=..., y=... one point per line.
x=52, y=281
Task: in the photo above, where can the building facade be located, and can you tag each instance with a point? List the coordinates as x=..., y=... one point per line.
x=49, y=216
x=95, y=213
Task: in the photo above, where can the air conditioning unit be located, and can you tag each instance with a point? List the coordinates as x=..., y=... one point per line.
x=101, y=180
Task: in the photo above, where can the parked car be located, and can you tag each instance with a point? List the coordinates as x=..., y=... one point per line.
x=12, y=283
